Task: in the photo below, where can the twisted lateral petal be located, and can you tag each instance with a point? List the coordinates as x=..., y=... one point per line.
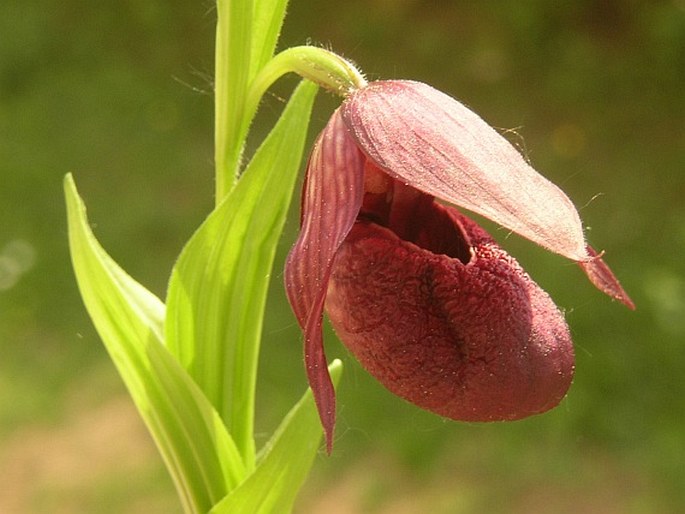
x=332, y=197
x=429, y=140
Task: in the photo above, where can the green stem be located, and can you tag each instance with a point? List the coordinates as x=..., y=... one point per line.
x=233, y=36
x=321, y=66
x=233, y=118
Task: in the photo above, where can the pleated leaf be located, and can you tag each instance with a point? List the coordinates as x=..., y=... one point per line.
x=201, y=456
x=266, y=27
x=217, y=292
x=284, y=463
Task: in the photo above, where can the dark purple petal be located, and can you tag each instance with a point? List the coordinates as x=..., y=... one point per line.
x=432, y=142
x=604, y=279
x=332, y=196
x=469, y=336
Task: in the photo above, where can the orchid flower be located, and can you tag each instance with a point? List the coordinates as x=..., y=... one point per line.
x=422, y=296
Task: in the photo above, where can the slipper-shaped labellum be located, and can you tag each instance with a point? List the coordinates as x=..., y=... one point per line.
x=418, y=292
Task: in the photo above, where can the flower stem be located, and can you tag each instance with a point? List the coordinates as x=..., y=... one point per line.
x=232, y=63
x=321, y=66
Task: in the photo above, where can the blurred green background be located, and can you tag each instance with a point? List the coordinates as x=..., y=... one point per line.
x=119, y=92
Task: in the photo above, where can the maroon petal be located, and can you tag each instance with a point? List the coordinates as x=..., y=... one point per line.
x=604, y=279
x=470, y=337
x=429, y=140
x=332, y=196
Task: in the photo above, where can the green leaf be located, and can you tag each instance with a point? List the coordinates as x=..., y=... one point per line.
x=284, y=463
x=217, y=292
x=201, y=456
x=268, y=19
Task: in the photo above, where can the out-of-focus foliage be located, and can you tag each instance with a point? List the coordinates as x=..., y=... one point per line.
x=118, y=93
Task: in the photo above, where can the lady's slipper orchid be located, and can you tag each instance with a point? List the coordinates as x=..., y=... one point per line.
x=419, y=293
